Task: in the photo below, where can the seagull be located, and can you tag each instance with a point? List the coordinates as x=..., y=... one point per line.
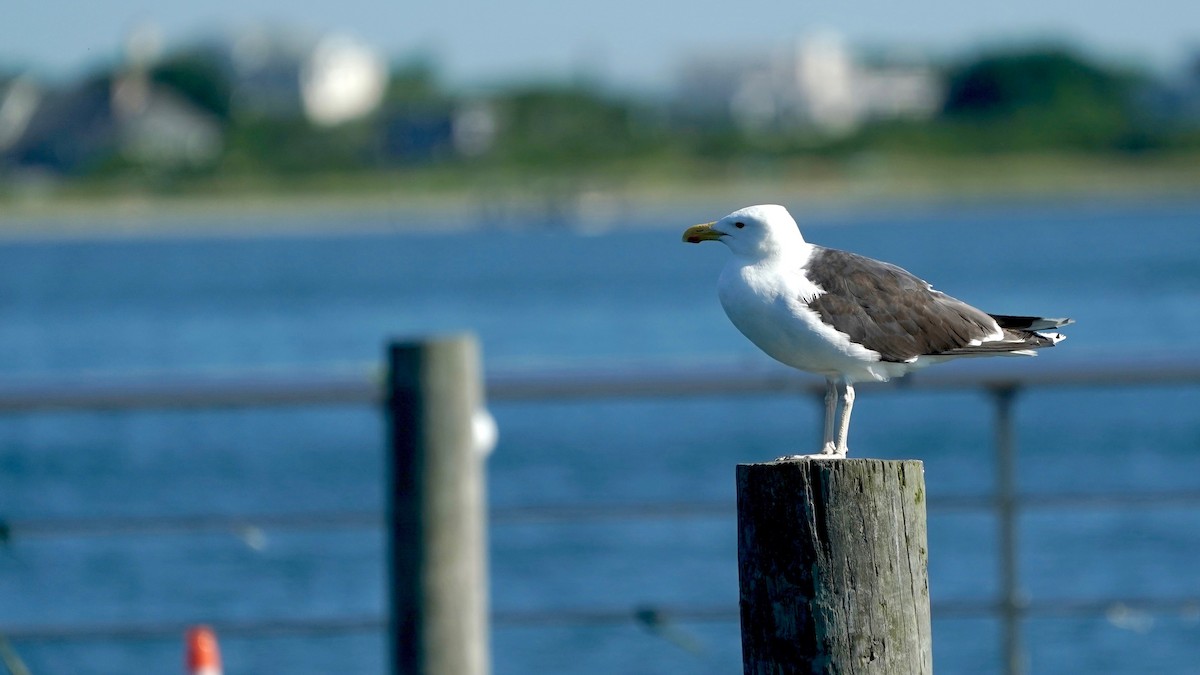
x=845, y=316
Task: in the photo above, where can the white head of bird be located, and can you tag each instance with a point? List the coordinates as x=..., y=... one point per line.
x=755, y=232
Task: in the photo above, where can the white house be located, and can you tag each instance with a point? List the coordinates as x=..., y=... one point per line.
x=329, y=79
x=815, y=83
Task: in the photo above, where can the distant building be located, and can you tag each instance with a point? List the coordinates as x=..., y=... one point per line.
x=1190, y=92
x=72, y=130
x=418, y=134
x=1174, y=102
x=155, y=125
x=815, y=84
x=327, y=80
x=123, y=116
x=136, y=115
x=20, y=98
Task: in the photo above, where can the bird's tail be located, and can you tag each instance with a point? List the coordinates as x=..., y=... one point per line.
x=1029, y=322
x=1030, y=328
x=1022, y=335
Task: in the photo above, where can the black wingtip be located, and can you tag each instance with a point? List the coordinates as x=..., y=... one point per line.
x=1030, y=322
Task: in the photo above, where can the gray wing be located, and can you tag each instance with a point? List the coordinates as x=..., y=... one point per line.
x=888, y=310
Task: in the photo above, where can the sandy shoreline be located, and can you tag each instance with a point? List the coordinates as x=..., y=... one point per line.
x=969, y=185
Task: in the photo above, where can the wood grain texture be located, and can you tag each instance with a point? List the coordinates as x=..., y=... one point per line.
x=833, y=567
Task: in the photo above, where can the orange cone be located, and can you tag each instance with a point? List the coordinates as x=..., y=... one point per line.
x=203, y=657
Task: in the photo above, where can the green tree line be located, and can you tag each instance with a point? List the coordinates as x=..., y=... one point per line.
x=1039, y=99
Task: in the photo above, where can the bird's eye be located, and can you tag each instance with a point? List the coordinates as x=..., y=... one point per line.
x=739, y=225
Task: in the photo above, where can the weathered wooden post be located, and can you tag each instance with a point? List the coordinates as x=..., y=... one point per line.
x=832, y=562
x=436, y=518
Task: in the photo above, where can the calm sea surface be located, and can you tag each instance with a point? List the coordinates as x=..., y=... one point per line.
x=1129, y=274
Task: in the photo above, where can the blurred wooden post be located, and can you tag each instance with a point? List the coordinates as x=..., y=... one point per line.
x=436, y=517
x=832, y=561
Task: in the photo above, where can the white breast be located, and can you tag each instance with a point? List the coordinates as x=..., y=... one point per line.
x=769, y=305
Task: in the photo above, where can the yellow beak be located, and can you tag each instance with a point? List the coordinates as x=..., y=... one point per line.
x=698, y=233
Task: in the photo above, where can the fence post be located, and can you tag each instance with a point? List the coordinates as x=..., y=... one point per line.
x=436, y=510
x=1011, y=602
x=833, y=567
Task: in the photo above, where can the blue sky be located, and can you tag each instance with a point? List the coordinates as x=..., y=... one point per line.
x=624, y=42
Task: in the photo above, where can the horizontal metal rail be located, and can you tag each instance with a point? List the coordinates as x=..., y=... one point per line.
x=165, y=390
x=363, y=384
x=762, y=377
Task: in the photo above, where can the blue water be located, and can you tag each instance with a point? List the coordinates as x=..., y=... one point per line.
x=1129, y=274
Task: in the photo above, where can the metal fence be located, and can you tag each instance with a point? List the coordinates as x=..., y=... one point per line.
x=1005, y=380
